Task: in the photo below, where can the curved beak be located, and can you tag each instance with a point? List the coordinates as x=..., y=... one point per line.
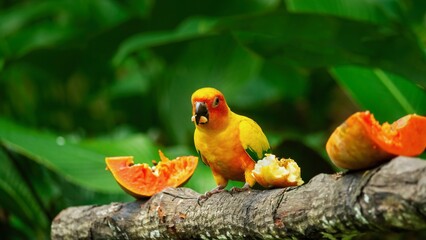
x=201, y=115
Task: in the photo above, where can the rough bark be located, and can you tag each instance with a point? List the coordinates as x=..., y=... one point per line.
x=390, y=197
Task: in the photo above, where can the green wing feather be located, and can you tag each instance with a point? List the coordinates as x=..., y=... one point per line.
x=253, y=154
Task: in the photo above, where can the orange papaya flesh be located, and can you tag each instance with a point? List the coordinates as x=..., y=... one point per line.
x=361, y=142
x=406, y=136
x=141, y=180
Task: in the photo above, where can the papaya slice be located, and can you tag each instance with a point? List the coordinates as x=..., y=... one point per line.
x=406, y=136
x=361, y=142
x=141, y=180
x=270, y=172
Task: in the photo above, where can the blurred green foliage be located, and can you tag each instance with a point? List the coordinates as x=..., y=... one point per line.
x=81, y=80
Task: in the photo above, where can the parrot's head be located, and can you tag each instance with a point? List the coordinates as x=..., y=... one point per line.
x=209, y=108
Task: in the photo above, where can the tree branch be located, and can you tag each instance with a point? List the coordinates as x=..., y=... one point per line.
x=389, y=197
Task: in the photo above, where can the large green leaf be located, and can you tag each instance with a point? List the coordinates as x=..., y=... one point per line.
x=188, y=30
x=376, y=11
x=314, y=40
x=17, y=198
x=80, y=166
x=386, y=95
x=187, y=27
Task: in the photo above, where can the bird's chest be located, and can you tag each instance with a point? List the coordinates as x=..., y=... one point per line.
x=223, y=153
x=218, y=146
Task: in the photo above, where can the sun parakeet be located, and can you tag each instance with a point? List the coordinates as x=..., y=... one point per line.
x=230, y=144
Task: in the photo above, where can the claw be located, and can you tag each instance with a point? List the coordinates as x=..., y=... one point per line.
x=203, y=197
x=245, y=188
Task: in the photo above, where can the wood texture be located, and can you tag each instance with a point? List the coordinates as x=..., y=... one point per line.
x=390, y=197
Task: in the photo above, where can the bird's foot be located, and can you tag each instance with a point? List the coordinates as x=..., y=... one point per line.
x=245, y=188
x=203, y=197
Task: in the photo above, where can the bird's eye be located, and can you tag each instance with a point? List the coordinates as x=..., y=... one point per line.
x=215, y=102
